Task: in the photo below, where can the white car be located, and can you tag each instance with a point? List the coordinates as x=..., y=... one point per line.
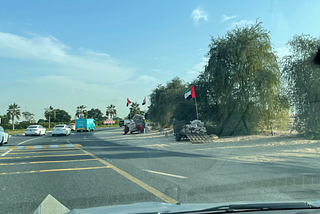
x=4, y=136
x=61, y=129
x=35, y=130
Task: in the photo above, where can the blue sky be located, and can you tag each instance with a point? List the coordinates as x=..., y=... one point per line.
x=96, y=53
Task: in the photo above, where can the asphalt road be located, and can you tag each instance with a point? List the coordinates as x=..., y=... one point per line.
x=106, y=168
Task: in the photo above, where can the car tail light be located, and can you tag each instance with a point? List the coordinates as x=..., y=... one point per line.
x=63, y=129
x=36, y=129
x=52, y=129
x=26, y=130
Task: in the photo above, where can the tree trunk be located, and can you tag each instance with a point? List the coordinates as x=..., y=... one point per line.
x=12, y=122
x=49, y=120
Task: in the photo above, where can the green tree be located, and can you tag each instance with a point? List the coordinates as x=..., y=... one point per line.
x=14, y=112
x=5, y=119
x=240, y=87
x=185, y=110
x=61, y=116
x=302, y=78
x=111, y=111
x=164, y=101
x=42, y=121
x=134, y=109
x=81, y=110
x=96, y=114
x=28, y=116
x=49, y=113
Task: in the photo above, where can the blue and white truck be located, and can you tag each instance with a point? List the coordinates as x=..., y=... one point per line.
x=86, y=125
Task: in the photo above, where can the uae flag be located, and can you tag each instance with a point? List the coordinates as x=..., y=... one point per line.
x=144, y=101
x=190, y=93
x=128, y=102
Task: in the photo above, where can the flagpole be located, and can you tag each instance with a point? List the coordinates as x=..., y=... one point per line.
x=195, y=99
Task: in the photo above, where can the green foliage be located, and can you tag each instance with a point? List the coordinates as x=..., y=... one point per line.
x=96, y=114
x=42, y=121
x=61, y=115
x=28, y=116
x=111, y=111
x=5, y=119
x=81, y=110
x=134, y=109
x=164, y=101
x=185, y=110
x=14, y=112
x=302, y=78
x=240, y=88
x=49, y=113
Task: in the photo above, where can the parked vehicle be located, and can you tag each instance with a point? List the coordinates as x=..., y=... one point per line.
x=4, y=136
x=72, y=126
x=87, y=125
x=61, y=129
x=35, y=130
x=124, y=122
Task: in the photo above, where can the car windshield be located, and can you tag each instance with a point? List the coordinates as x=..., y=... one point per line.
x=180, y=102
x=31, y=127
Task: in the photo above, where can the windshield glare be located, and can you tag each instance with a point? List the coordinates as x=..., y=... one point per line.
x=182, y=102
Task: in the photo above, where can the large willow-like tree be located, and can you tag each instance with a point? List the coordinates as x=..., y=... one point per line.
x=240, y=87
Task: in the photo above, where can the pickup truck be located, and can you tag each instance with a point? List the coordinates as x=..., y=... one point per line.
x=87, y=125
x=4, y=136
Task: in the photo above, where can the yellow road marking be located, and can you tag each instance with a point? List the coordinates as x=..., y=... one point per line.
x=36, y=162
x=51, y=149
x=53, y=170
x=19, y=153
x=62, y=146
x=152, y=190
x=29, y=147
x=42, y=156
x=12, y=147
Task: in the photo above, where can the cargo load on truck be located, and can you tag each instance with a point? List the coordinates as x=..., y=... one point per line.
x=196, y=132
x=86, y=125
x=137, y=124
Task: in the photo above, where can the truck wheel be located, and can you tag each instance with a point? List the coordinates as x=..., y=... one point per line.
x=1, y=144
x=131, y=132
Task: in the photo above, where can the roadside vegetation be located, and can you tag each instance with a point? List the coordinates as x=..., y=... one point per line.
x=53, y=117
x=245, y=88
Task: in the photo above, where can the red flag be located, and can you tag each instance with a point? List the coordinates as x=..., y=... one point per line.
x=128, y=102
x=144, y=101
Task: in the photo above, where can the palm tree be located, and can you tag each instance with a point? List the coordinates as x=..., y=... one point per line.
x=49, y=113
x=81, y=110
x=14, y=112
x=134, y=109
x=111, y=110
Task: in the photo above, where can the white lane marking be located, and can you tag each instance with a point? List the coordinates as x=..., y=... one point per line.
x=21, y=147
x=4, y=154
x=162, y=173
x=4, y=148
x=54, y=146
x=28, y=140
x=37, y=147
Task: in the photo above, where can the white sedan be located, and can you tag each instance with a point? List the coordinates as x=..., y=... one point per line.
x=4, y=136
x=61, y=129
x=35, y=130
